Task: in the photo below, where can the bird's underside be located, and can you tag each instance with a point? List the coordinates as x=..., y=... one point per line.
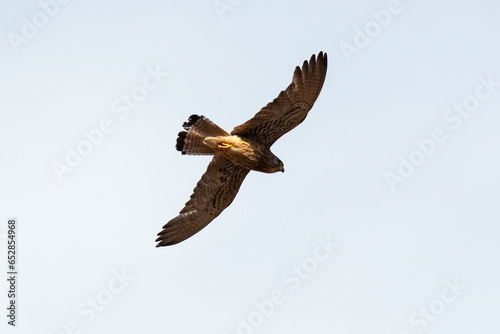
x=246, y=148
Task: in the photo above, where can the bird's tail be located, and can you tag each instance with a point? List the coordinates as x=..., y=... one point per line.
x=197, y=129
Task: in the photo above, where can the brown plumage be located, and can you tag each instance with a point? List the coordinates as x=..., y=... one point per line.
x=246, y=148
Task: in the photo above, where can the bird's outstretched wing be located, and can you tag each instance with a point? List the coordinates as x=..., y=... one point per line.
x=291, y=106
x=213, y=193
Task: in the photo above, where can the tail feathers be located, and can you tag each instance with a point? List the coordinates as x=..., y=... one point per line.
x=192, y=143
x=197, y=129
x=203, y=126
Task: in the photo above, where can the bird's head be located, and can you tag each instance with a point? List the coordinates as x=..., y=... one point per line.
x=282, y=166
x=278, y=165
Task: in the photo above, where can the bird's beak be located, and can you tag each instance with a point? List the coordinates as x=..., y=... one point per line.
x=283, y=169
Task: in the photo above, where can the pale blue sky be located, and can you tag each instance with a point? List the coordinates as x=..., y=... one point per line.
x=90, y=233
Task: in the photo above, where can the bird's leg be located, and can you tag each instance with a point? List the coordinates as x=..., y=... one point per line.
x=224, y=146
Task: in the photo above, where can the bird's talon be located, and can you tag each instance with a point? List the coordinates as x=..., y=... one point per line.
x=224, y=146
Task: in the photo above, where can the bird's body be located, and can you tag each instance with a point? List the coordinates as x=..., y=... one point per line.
x=246, y=148
x=245, y=153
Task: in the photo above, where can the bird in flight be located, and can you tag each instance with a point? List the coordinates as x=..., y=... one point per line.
x=246, y=148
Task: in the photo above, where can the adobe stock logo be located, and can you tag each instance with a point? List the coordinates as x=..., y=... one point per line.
x=372, y=29
x=293, y=278
x=223, y=6
x=31, y=27
x=89, y=309
x=94, y=137
x=454, y=117
x=421, y=320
